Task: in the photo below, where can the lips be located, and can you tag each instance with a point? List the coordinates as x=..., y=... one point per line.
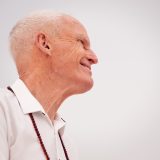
x=85, y=63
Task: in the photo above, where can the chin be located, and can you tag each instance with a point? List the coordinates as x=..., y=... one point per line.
x=85, y=86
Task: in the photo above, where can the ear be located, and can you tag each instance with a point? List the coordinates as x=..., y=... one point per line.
x=43, y=44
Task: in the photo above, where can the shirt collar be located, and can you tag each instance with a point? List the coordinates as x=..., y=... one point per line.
x=59, y=123
x=28, y=102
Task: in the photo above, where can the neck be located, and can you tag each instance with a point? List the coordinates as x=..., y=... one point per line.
x=50, y=93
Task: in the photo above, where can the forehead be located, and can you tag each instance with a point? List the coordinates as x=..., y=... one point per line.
x=72, y=28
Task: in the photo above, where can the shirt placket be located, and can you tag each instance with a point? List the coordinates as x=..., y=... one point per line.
x=55, y=135
x=59, y=147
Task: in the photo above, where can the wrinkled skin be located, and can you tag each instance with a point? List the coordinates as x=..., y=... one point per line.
x=60, y=66
x=72, y=48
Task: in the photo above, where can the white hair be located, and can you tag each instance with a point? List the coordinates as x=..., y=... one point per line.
x=22, y=36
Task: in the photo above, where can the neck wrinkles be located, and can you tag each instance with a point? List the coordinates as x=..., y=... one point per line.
x=50, y=93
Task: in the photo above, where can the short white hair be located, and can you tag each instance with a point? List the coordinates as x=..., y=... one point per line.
x=22, y=36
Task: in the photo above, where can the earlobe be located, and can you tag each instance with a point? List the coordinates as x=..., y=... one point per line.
x=43, y=44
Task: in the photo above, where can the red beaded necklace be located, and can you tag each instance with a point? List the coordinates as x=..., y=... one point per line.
x=39, y=136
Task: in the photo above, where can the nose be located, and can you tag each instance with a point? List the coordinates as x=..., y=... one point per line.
x=92, y=58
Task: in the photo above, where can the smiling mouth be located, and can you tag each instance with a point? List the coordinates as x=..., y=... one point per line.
x=86, y=66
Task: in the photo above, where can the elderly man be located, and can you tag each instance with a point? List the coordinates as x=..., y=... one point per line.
x=53, y=57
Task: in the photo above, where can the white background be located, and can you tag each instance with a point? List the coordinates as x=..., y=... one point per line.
x=119, y=119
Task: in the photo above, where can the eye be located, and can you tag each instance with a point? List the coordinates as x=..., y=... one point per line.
x=82, y=42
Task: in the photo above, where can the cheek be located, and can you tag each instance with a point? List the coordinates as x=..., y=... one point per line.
x=73, y=52
x=72, y=56
x=66, y=57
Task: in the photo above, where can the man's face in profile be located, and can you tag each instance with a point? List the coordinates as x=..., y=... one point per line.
x=73, y=57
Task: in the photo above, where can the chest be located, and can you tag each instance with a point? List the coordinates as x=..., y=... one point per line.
x=24, y=143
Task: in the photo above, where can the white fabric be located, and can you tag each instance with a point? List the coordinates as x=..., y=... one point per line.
x=18, y=140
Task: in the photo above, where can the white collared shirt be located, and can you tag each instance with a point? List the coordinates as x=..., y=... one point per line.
x=18, y=140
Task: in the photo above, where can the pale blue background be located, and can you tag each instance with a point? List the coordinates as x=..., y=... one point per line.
x=119, y=119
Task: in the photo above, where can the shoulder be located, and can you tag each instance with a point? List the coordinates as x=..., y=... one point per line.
x=5, y=96
x=2, y=98
x=7, y=100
